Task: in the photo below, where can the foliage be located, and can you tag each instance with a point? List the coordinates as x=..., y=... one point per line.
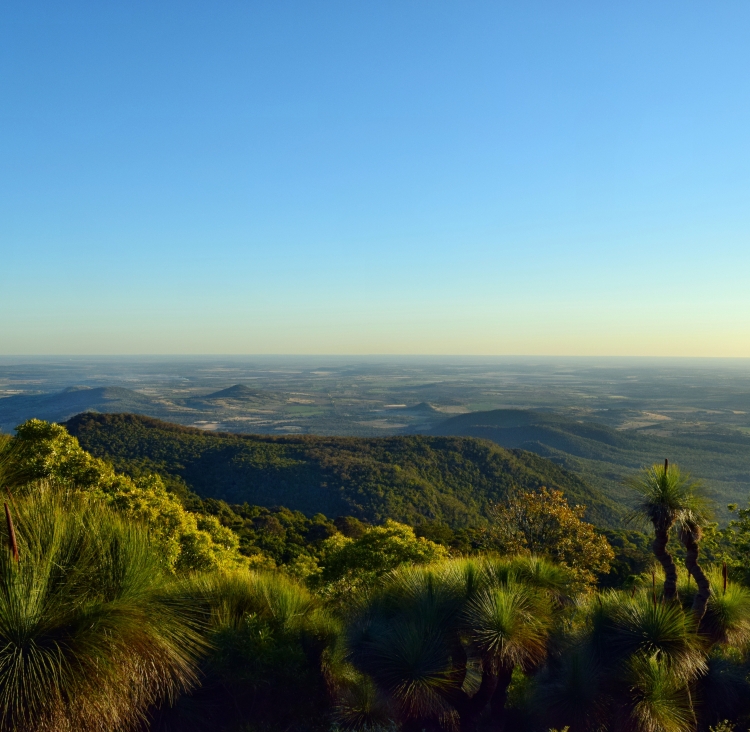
x=441, y=642
x=724, y=726
x=633, y=556
x=735, y=541
x=272, y=657
x=543, y=523
x=130, y=589
x=91, y=630
x=286, y=537
x=630, y=664
x=731, y=543
x=407, y=479
x=666, y=496
x=604, y=456
x=348, y=564
x=188, y=541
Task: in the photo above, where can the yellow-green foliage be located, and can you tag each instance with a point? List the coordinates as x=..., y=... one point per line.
x=348, y=564
x=543, y=523
x=378, y=550
x=188, y=541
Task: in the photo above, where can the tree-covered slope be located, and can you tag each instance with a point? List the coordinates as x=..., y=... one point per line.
x=408, y=478
x=605, y=457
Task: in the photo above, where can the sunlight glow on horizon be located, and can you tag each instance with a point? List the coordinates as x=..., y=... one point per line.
x=499, y=179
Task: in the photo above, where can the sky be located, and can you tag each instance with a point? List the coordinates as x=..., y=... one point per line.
x=390, y=177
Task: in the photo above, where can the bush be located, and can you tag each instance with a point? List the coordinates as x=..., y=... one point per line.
x=91, y=630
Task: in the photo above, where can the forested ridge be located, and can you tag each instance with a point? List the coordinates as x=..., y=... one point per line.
x=409, y=478
x=604, y=456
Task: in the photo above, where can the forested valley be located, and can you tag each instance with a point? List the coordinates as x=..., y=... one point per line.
x=153, y=577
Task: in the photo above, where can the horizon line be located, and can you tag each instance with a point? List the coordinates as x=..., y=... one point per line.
x=373, y=355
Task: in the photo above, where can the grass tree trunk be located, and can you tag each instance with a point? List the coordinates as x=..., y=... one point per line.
x=690, y=539
x=498, y=715
x=665, y=559
x=470, y=711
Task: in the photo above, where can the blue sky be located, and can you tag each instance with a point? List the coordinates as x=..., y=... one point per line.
x=375, y=177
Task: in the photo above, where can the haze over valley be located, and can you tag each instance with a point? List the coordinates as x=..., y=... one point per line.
x=600, y=418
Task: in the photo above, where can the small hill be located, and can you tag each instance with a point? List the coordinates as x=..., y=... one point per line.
x=407, y=478
x=61, y=406
x=604, y=456
x=233, y=398
x=238, y=391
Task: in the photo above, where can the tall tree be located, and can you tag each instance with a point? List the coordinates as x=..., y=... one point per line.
x=544, y=524
x=666, y=497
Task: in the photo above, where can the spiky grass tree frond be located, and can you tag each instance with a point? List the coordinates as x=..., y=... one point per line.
x=443, y=640
x=409, y=660
x=232, y=597
x=510, y=625
x=539, y=572
x=659, y=700
x=435, y=594
x=91, y=633
x=12, y=452
x=273, y=657
x=727, y=617
x=403, y=641
x=667, y=495
x=361, y=707
x=629, y=666
x=464, y=576
x=625, y=627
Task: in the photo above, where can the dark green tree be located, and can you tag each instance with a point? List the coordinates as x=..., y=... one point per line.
x=667, y=497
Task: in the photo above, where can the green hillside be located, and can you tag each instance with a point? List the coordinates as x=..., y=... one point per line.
x=604, y=456
x=408, y=478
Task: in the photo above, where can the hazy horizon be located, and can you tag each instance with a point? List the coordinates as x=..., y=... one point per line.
x=496, y=357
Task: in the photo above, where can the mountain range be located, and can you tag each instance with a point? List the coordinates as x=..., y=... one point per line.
x=604, y=456
x=601, y=455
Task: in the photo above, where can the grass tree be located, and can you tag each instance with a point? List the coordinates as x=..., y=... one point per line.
x=630, y=666
x=271, y=659
x=690, y=533
x=667, y=497
x=441, y=642
x=510, y=627
x=92, y=633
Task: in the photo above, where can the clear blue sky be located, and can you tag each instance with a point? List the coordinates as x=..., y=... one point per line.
x=375, y=177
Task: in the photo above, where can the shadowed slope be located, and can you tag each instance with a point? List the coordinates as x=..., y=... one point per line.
x=404, y=478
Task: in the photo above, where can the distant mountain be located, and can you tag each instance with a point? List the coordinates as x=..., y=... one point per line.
x=406, y=478
x=604, y=456
x=238, y=391
x=63, y=405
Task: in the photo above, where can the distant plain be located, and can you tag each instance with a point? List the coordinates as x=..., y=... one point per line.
x=601, y=418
